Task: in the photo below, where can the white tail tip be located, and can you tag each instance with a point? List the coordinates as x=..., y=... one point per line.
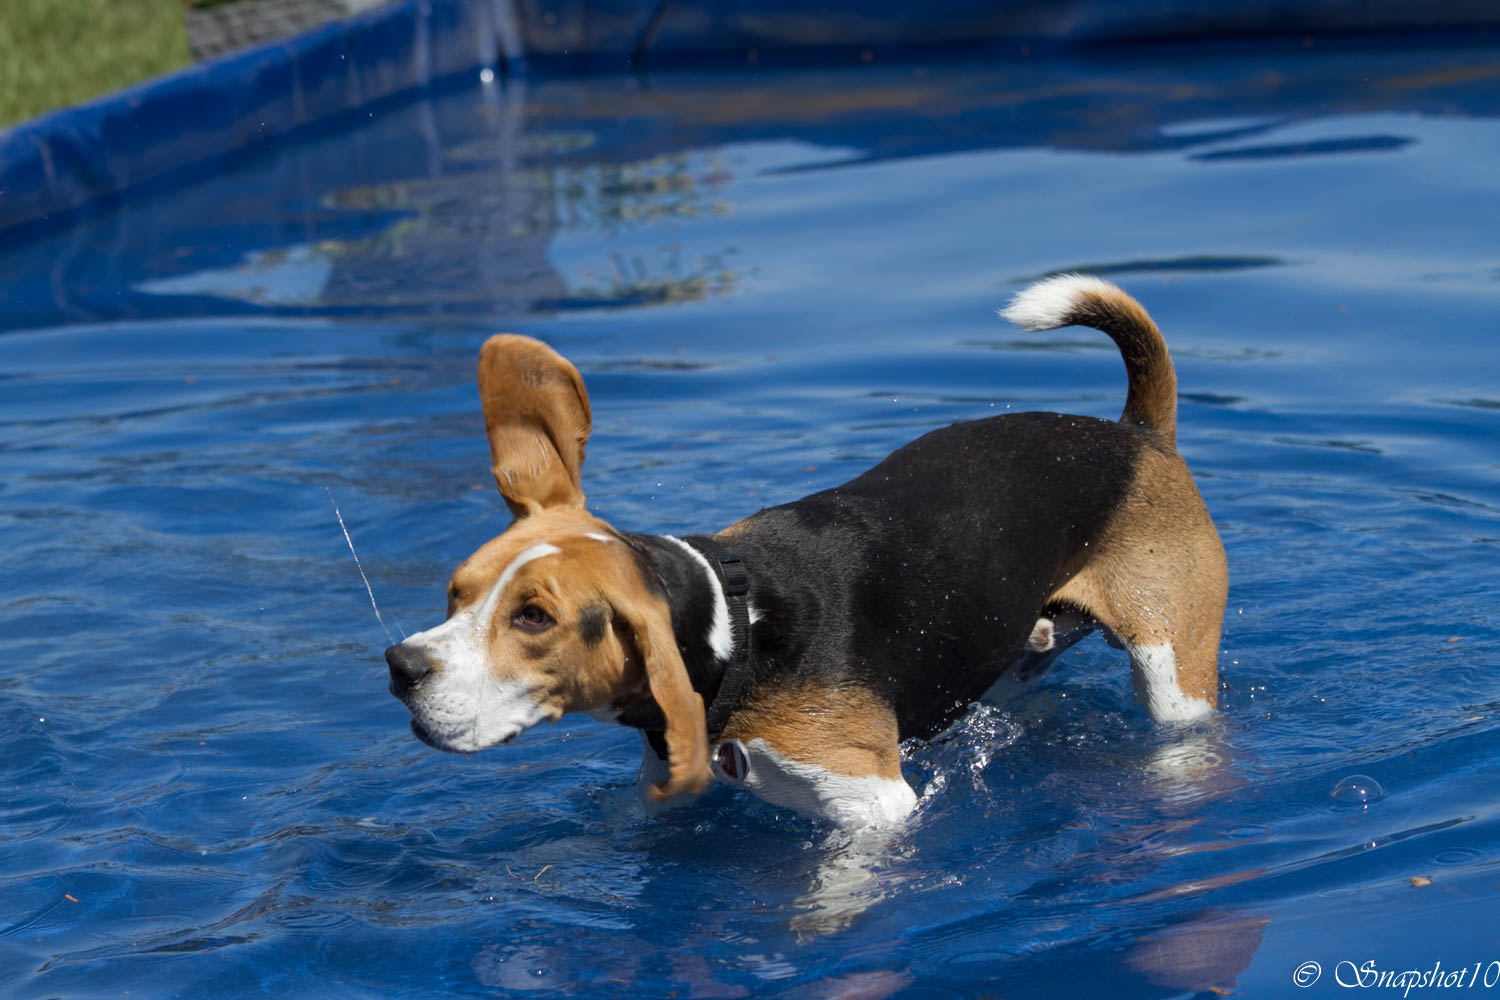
x=1052, y=302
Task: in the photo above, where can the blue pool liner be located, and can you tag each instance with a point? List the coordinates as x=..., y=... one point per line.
x=84, y=158
x=242, y=103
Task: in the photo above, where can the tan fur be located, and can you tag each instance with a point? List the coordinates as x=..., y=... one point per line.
x=566, y=674
x=846, y=730
x=1151, y=396
x=734, y=529
x=1158, y=573
x=687, y=738
x=537, y=415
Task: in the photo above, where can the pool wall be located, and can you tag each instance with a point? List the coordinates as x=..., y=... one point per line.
x=86, y=158
x=241, y=104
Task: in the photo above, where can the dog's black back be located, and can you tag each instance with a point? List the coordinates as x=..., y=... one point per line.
x=922, y=578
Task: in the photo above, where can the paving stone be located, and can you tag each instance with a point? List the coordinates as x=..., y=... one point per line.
x=233, y=26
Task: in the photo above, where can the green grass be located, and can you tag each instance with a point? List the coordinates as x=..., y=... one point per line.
x=54, y=53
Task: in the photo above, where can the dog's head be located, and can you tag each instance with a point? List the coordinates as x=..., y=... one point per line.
x=558, y=614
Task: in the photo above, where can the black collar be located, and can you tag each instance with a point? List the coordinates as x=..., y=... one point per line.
x=736, y=675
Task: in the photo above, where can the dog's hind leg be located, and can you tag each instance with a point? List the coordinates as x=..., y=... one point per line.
x=1156, y=580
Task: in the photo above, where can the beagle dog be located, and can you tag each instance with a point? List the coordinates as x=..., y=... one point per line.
x=790, y=653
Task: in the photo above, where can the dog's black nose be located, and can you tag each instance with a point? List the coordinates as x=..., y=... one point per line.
x=408, y=666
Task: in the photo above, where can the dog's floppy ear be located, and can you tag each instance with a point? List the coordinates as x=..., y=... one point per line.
x=687, y=736
x=536, y=413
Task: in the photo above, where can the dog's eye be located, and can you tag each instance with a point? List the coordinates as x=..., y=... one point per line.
x=533, y=619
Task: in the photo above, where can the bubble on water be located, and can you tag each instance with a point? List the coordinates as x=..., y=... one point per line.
x=1357, y=789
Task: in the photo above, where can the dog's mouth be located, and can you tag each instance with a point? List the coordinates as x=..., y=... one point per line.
x=421, y=733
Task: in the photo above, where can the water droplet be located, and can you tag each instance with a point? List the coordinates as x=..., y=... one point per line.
x=1357, y=789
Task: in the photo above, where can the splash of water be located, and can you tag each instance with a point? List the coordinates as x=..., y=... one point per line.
x=361, y=569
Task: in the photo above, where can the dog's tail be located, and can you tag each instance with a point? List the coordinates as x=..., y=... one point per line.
x=1083, y=300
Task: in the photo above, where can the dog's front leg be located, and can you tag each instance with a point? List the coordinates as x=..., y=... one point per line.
x=654, y=771
x=827, y=753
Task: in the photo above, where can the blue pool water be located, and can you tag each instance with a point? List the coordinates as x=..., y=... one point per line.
x=769, y=281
